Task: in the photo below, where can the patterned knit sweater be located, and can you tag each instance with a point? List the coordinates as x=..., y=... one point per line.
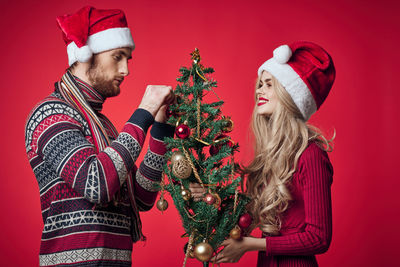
x=306, y=228
x=87, y=214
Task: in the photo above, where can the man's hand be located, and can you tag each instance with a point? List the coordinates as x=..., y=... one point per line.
x=197, y=191
x=156, y=96
x=161, y=115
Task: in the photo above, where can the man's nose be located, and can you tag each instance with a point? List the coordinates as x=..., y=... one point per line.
x=123, y=68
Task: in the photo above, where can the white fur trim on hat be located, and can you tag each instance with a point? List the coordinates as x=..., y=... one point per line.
x=293, y=84
x=83, y=54
x=99, y=42
x=73, y=53
x=282, y=54
x=110, y=39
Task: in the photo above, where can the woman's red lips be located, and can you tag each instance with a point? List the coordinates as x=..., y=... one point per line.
x=262, y=101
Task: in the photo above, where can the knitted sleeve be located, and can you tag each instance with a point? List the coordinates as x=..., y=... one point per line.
x=316, y=178
x=149, y=174
x=59, y=136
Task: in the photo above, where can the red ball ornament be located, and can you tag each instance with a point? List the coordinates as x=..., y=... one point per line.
x=245, y=221
x=214, y=150
x=182, y=131
x=228, y=142
x=209, y=199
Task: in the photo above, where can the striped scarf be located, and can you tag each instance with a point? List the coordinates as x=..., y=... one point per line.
x=70, y=91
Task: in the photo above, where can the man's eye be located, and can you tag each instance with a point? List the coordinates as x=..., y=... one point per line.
x=118, y=58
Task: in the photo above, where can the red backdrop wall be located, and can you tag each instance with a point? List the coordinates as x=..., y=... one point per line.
x=234, y=37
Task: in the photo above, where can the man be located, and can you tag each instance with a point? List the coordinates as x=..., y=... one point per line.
x=90, y=188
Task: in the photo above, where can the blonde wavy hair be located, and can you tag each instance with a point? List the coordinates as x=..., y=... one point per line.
x=279, y=140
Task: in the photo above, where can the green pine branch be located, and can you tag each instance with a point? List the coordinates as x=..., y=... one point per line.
x=210, y=222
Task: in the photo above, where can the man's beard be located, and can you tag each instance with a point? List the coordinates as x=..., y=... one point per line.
x=99, y=82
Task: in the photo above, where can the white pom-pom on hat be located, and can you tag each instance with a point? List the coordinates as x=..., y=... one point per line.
x=83, y=54
x=282, y=54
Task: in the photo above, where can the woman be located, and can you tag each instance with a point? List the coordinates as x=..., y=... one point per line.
x=290, y=176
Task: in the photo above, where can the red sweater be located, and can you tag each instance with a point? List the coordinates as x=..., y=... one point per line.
x=307, y=224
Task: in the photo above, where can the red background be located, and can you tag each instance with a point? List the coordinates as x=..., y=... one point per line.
x=234, y=37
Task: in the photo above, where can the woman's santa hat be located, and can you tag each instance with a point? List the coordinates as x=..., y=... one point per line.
x=90, y=31
x=306, y=71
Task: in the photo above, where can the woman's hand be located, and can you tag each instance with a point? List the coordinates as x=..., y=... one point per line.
x=197, y=191
x=234, y=250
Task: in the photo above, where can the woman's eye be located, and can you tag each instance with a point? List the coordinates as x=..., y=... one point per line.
x=117, y=58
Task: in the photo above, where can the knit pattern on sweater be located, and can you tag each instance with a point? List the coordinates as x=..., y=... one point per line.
x=85, y=205
x=307, y=224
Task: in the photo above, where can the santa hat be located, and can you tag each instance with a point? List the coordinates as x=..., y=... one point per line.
x=90, y=31
x=306, y=71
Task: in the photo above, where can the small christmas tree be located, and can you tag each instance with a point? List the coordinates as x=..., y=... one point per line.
x=202, y=152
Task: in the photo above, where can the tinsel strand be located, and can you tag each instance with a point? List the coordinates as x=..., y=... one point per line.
x=201, y=76
x=235, y=203
x=196, y=174
x=188, y=249
x=162, y=186
x=198, y=118
x=192, y=217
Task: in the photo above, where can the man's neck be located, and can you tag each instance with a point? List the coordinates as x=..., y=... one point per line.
x=81, y=73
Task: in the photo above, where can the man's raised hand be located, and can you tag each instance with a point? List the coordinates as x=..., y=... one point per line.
x=156, y=96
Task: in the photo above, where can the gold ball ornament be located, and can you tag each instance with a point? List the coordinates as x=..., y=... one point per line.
x=186, y=195
x=229, y=125
x=236, y=233
x=203, y=251
x=162, y=204
x=177, y=156
x=181, y=168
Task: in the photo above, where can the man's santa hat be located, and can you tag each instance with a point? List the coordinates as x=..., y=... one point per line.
x=90, y=31
x=306, y=71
